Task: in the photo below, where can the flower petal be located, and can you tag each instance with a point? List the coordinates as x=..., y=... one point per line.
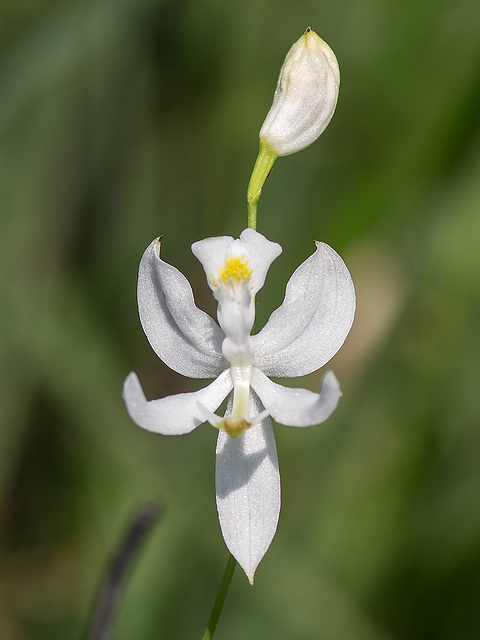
x=255, y=248
x=297, y=407
x=177, y=414
x=183, y=336
x=313, y=321
x=248, y=491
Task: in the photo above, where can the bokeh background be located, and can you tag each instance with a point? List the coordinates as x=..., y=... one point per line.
x=124, y=119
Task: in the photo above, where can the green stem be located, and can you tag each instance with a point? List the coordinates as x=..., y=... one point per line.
x=252, y=215
x=263, y=165
x=220, y=600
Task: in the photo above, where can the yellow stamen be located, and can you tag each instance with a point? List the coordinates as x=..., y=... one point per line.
x=236, y=268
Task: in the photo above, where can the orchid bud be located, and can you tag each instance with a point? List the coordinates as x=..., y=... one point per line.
x=305, y=97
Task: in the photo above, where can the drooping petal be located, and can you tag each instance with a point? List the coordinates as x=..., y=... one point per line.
x=313, y=321
x=297, y=407
x=248, y=491
x=187, y=339
x=177, y=414
x=258, y=252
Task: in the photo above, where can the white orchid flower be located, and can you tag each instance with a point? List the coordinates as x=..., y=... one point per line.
x=299, y=338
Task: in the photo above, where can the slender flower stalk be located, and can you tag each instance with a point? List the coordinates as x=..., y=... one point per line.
x=220, y=599
x=263, y=165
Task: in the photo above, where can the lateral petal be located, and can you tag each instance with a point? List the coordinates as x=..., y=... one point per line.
x=311, y=324
x=297, y=407
x=248, y=491
x=177, y=414
x=187, y=339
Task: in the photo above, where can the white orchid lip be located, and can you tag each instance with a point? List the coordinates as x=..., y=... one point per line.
x=299, y=337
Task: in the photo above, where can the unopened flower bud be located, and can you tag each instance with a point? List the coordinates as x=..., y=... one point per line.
x=305, y=97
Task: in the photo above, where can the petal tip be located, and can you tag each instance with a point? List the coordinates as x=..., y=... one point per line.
x=330, y=380
x=249, y=571
x=130, y=382
x=157, y=245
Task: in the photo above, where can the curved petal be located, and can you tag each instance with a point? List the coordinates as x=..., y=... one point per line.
x=177, y=414
x=313, y=321
x=248, y=491
x=251, y=245
x=297, y=407
x=183, y=336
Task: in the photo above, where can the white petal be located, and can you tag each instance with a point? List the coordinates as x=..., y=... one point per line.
x=177, y=414
x=183, y=336
x=248, y=491
x=313, y=321
x=297, y=407
x=258, y=251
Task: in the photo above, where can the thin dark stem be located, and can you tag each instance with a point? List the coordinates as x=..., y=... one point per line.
x=110, y=591
x=220, y=600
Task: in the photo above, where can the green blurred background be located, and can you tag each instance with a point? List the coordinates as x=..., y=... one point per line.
x=121, y=120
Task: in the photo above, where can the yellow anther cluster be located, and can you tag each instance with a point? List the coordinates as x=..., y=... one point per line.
x=236, y=268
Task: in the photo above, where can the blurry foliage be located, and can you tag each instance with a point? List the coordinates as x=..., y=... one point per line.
x=124, y=119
